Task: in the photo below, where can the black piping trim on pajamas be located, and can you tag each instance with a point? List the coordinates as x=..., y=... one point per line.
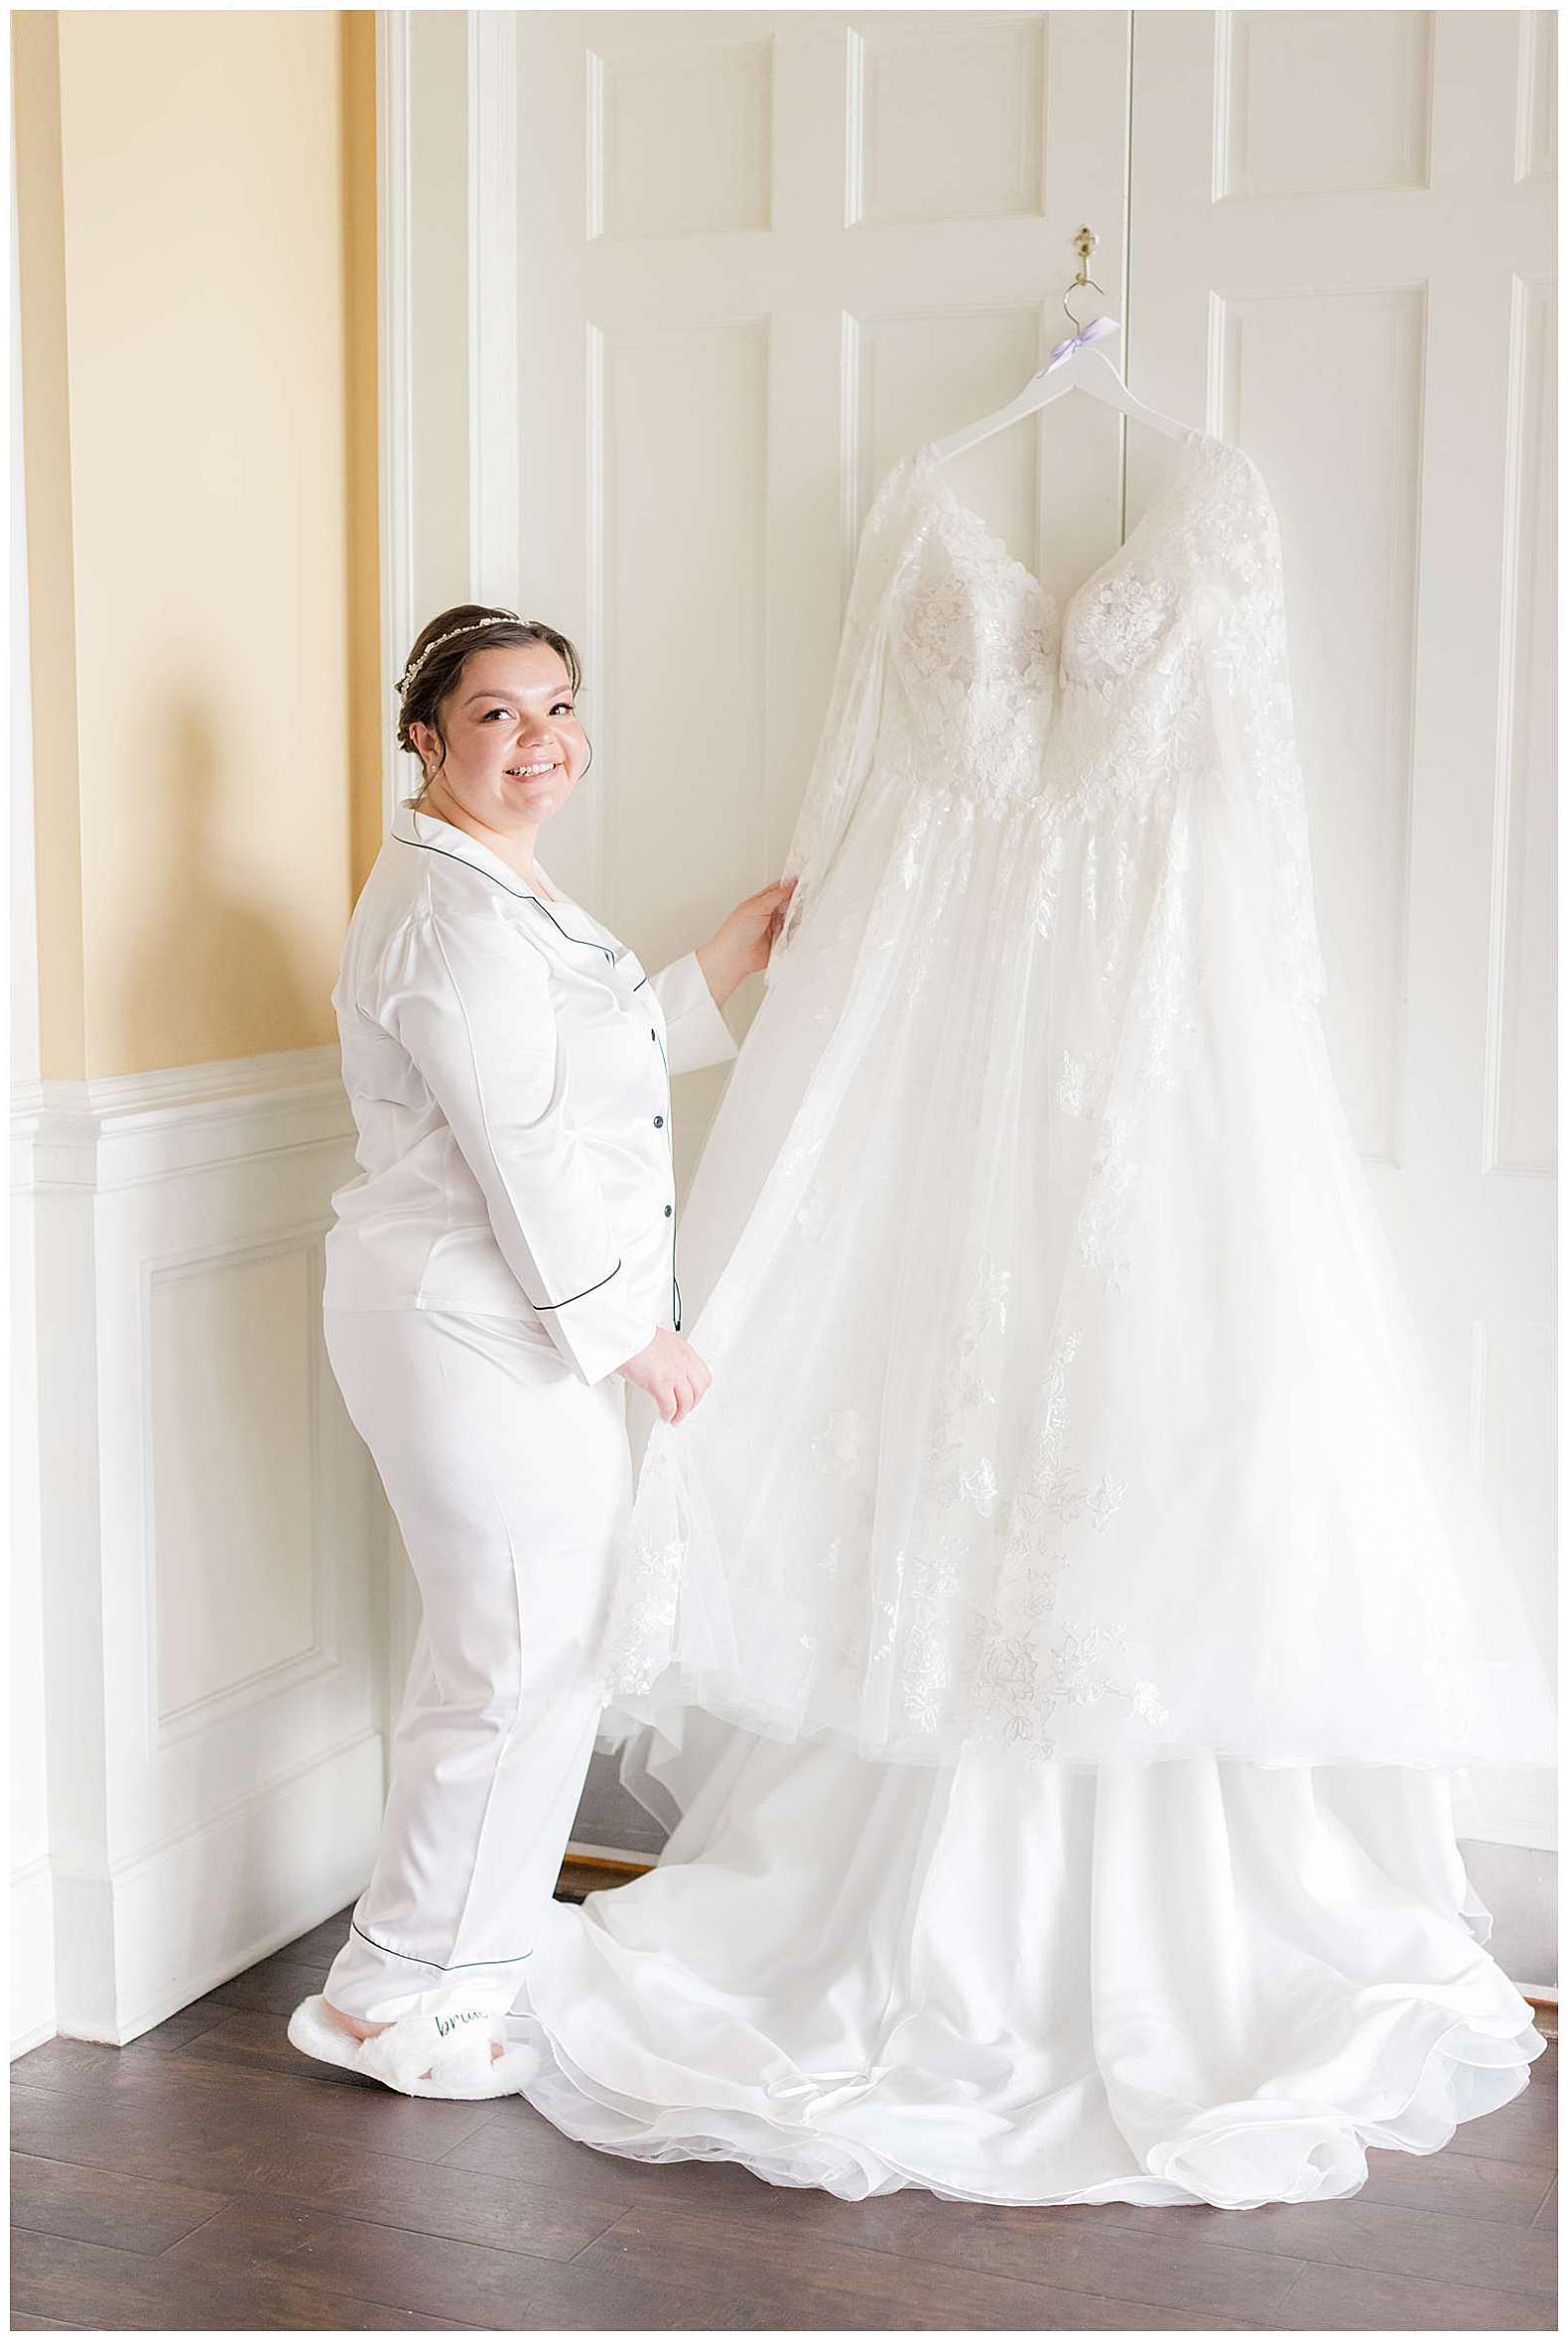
x=586, y=942
x=511, y=1960
x=576, y=1296
x=669, y=1139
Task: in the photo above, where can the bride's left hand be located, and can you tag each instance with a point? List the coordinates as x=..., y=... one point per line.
x=742, y=944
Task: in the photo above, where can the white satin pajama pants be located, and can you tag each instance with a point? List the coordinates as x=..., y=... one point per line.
x=509, y=1481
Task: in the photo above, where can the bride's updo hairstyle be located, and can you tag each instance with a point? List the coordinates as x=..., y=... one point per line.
x=442, y=649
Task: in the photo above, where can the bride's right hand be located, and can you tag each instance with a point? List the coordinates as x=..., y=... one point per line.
x=671, y=1372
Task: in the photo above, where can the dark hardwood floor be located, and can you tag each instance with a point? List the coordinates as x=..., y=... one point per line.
x=208, y=2177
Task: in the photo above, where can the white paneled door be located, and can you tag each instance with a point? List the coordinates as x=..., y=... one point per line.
x=1342, y=256
x=760, y=255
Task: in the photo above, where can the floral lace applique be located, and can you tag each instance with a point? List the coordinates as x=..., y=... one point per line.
x=842, y=1446
x=1087, y=1667
x=642, y=1622
x=1048, y=882
x=1113, y=626
x=947, y=1478
x=932, y=1616
x=976, y=641
x=911, y=855
x=978, y=1486
x=1081, y=1085
x=1027, y=1663
x=988, y=1308
x=955, y=817
x=1110, y=1183
x=1119, y=924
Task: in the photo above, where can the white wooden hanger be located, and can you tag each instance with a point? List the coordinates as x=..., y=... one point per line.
x=1072, y=365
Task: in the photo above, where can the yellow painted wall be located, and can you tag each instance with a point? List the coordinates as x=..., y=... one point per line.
x=196, y=208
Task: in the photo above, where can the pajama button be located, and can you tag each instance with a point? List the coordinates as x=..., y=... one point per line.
x=669, y=1211
x=658, y=1122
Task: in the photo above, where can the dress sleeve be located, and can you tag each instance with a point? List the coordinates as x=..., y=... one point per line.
x=695, y=1033
x=855, y=701
x=469, y=1001
x=1251, y=709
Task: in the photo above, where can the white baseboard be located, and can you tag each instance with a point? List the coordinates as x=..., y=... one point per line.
x=32, y=1954
x=577, y=1851
x=1508, y=1805
x=192, y=1913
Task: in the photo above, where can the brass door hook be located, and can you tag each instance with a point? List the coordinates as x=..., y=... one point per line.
x=1083, y=244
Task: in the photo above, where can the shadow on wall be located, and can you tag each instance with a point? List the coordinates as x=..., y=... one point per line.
x=608, y=1817
x=216, y=971
x=1519, y=1886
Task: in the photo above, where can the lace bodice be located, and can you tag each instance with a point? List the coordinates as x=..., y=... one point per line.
x=975, y=652
x=1166, y=667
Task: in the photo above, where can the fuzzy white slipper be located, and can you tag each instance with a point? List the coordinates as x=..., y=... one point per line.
x=414, y=2055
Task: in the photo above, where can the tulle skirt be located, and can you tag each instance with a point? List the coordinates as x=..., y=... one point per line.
x=1065, y=1398
x=1200, y=1980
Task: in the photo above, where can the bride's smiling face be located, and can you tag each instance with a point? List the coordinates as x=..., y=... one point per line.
x=515, y=750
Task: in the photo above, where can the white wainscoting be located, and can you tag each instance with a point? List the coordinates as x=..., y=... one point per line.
x=32, y=1891
x=213, y=1578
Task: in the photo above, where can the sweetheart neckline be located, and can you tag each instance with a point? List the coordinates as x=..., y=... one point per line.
x=927, y=465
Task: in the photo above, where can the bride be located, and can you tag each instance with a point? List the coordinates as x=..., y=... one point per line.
x=1060, y=1677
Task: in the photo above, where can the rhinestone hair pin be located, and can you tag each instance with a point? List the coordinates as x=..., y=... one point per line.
x=500, y=617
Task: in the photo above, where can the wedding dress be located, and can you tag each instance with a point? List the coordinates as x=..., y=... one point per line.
x=1060, y=1627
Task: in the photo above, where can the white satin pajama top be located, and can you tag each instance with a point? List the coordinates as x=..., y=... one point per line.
x=508, y=1063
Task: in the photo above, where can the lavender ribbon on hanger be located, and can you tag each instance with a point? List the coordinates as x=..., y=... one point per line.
x=1096, y=331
